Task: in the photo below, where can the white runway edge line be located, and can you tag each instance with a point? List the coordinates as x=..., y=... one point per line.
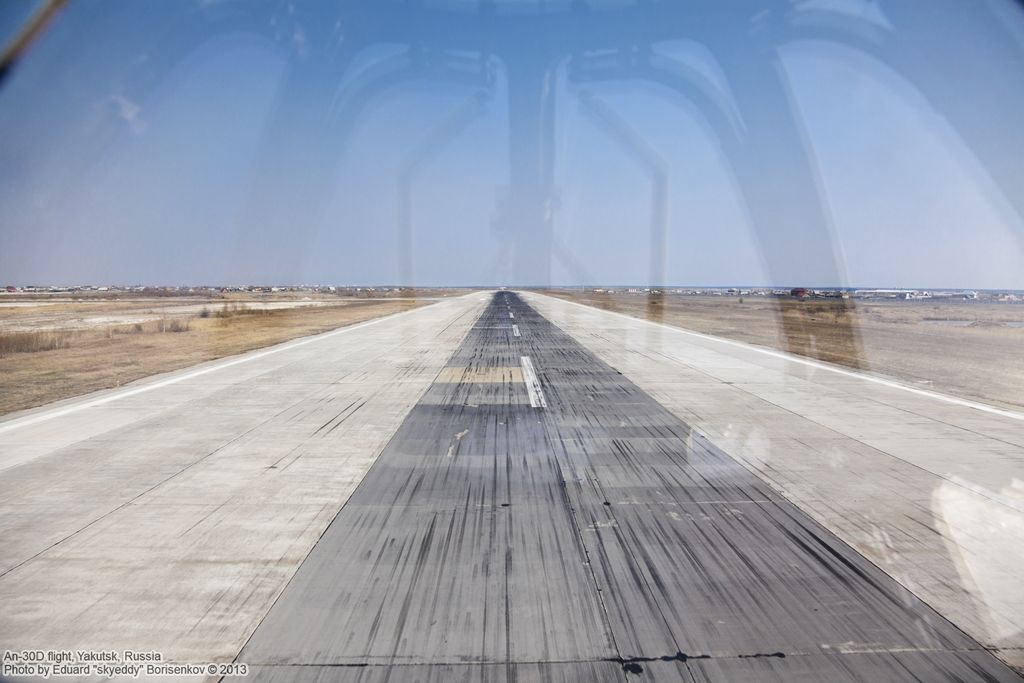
x=537, y=399
x=515, y=331
x=60, y=412
x=811, y=363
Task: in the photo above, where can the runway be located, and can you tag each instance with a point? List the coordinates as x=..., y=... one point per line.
x=168, y=514
x=538, y=517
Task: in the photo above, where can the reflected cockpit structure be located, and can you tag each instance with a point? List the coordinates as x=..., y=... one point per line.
x=532, y=60
x=533, y=57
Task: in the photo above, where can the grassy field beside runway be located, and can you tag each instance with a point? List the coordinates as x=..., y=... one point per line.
x=968, y=349
x=58, y=349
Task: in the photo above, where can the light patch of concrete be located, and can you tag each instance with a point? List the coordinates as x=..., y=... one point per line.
x=171, y=519
x=928, y=489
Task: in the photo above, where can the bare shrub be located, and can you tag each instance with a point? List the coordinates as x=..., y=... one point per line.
x=134, y=328
x=234, y=310
x=226, y=311
x=174, y=325
x=178, y=325
x=31, y=342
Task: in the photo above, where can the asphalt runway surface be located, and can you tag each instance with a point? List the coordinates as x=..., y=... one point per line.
x=537, y=517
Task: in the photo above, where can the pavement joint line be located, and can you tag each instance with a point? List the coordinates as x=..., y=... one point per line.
x=537, y=399
x=341, y=507
x=133, y=501
x=620, y=660
x=806, y=361
x=980, y=491
x=30, y=420
x=953, y=480
x=598, y=587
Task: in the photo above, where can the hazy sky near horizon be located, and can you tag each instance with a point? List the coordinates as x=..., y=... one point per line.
x=229, y=142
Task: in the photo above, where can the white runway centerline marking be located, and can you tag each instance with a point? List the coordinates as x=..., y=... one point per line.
x=515, y=331
x=537, y=399
x=511, y=315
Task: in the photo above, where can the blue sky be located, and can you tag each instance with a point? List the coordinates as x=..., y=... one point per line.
x=206, y=142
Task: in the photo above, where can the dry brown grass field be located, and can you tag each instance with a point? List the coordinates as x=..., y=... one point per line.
x=52, y=348
x=966, y=348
